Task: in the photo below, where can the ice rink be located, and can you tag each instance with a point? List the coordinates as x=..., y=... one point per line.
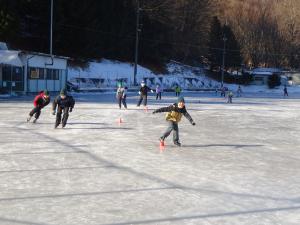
x=240, y=164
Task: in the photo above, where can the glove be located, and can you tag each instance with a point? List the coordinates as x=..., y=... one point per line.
x=193, y=123
x=53, y=112
x=139, y=93
x=71, y=109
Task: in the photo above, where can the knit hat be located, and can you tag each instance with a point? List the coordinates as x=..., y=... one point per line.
x=46, y=93
x=63, y=92
x=180, y=99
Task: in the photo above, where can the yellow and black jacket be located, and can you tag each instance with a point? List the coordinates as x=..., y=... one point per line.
x=174, y=113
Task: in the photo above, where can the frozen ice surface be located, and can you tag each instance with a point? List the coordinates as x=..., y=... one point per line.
x=239, y=164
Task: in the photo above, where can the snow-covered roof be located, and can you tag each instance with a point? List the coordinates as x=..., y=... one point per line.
x=9, y=57
x=263, y=69
x=43, y=54
x=266, y=71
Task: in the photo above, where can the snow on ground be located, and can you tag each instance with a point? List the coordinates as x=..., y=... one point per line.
x=238, y=165
x=109, y=70
x=107, y=73
x=104, y=75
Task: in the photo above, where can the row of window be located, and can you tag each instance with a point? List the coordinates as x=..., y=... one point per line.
x=11, y=73
x=44, y=74
x=16, y=73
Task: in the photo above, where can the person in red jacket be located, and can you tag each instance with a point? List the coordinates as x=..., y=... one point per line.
x=39, y=102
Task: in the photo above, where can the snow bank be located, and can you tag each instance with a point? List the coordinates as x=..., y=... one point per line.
x=106, y=74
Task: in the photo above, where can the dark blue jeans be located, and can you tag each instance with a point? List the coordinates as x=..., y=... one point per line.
x=64, y=120
x=122, y=100
x=144, y=99
x=173, y=126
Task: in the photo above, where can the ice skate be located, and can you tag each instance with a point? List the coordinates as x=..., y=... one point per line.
x=28, y=119
x=177, y=143
x=162, y=141
x=34, y=121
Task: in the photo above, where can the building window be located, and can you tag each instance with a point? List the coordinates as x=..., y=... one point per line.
x=12, y=73
x=36, y=73
x=33, y=73
x=52, y=74
x=41, y=73
x=17, y=74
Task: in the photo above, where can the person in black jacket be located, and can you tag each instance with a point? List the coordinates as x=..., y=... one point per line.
x=143, y=94
x=285, y=92
x=64, y=103
x=173, y=116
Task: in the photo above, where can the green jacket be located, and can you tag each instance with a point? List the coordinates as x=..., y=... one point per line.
x=177, y=89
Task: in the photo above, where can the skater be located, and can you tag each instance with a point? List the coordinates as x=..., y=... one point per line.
x=64, y=103
x=223, y=92
x=173, y=116
x=121, y=96
x=230, y=95
x=177, y=90
x=285, y=92
x=158, y=92
x=39, y=102
x=239, y=92
x=143, y=94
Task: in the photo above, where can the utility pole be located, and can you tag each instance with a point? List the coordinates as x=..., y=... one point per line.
x=51, y=29
x=136, y=41
x=223, y=63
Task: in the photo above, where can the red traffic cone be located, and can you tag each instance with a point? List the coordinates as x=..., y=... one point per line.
x=161, y=146
x=120, y=121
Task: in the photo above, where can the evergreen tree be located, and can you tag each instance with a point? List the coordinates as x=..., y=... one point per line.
x=215, y=43
x=233, y=52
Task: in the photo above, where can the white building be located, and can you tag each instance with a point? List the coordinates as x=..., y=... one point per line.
x=28, y=72
x=261, y=75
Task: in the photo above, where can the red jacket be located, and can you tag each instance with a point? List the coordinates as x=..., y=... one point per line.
x=40, y=101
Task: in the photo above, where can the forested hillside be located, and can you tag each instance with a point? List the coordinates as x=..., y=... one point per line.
x=260, y=32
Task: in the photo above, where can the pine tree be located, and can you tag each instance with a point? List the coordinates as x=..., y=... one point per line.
x=233, y=52
x=215, y=44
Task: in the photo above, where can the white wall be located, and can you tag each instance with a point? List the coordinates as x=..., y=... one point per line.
x=36, y=85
